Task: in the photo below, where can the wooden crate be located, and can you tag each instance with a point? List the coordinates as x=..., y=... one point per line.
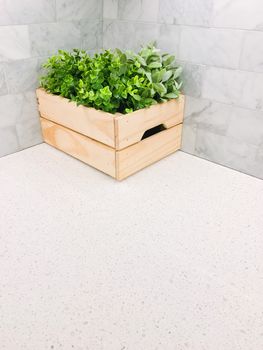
x=117, y=144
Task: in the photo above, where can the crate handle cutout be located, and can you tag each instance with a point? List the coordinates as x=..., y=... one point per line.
x=153, y=131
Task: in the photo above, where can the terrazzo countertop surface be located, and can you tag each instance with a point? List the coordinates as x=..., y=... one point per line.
x=169, y=259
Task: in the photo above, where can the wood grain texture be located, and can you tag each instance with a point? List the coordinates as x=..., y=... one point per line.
x=115, y=130
x=79, y=146
x=108, y=142
x=147, y=151
x=98, y=125
x=130, y=128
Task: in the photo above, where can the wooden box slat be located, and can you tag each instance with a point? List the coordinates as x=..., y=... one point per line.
x=130, y=128
x=95, y=124
x=118, y=164
x=148, y=151
x=79, y=146
x=111, y=143
x=115, y=130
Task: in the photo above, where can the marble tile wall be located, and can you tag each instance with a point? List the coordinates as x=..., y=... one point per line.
x=219, y=43
x=30, y=31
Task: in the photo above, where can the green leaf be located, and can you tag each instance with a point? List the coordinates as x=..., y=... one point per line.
x=141, y=60
x=150, y=101
x=160, y=88
x=136, y=97
x=180, y=85
x=155, y=65
x=141, y=70
x=167, y=75
x=168, y=60
x=156, y=77
x=146, y=93
x=105, y=93
x=128, y=110
x=149, y=76
x=178, y=72
x=123, y=58
x=172, y=95
x=154, y=58
x=123, y=69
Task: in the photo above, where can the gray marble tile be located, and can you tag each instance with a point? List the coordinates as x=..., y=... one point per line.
x=29, y=108
x=18, y=108
x=19, y=122
x=238, y=14
x=216, y=47
x=258, y=168
x=190, y=12
x=241, y=88
x=226, y=151
x=259, y=154
x=252, y=92
x=22, y=75
x=189, y=138
x=192, y=78
x=15, y=43
x=140, y=10
x=115, y=34
x=169, y=38
x=220, y=84
x=27, y=124
x=247, y=126
x=26, y=11
x=208, y=115
x=91, y=34
x=252, y=53
x=3, y=86
x=47, y=39
x=74, y=10
x=9, y=142
x=10, y=107
x=29, y=133
x=110, y=9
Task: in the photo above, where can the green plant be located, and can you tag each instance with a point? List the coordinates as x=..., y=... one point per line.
x=113, y=81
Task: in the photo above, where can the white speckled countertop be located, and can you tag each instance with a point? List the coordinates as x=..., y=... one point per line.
x=169, y=259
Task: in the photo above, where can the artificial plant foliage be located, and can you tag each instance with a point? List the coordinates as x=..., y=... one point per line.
x=113, y=81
